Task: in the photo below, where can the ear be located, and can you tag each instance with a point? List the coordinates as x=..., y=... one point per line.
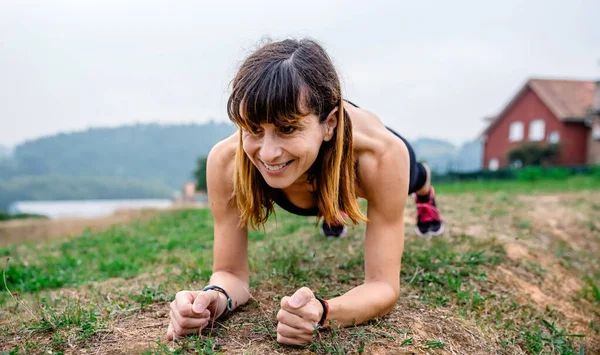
x=330, y=123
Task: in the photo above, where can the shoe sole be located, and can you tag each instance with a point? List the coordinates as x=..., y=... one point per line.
x=430, y=233
x=342, y=235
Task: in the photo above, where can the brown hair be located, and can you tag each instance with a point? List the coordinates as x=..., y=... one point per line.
x=278, y=84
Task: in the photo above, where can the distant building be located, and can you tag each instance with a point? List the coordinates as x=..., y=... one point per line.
x=564, y=112
x=189, y=195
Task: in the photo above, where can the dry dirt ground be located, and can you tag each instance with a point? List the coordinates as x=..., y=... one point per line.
x=546, y=239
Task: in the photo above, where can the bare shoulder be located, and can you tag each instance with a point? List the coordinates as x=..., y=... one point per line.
x=369, y=133
x=378, y=151
x=221, y=164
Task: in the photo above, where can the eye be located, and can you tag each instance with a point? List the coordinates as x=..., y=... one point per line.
x=287, y=129
x=255, y=131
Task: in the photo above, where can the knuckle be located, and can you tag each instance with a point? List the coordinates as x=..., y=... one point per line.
x=307, y=290
x=281, y=315
x=184, y=323
x=177, y=329
x=280, y=328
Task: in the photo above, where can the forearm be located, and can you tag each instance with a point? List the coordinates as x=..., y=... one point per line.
x=237, y=287
x=362, y=303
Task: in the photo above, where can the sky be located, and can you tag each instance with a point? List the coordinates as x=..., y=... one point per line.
x=427, y=69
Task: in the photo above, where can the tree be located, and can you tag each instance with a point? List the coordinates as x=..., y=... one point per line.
x=200, y=174
x=534, y=154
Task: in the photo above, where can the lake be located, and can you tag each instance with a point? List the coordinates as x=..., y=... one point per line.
x=84, y=208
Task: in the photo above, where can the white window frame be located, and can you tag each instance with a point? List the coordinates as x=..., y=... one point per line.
x=494, y=164
x=554, y=137
x=596, y=131
x=515, y=133
x=537, y=130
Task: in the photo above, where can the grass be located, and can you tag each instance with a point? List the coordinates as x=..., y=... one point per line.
x=88, y=292
x=7, y=217
x=183, y=240
x=574, y=183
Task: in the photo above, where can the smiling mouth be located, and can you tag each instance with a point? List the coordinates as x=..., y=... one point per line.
x=276, y=167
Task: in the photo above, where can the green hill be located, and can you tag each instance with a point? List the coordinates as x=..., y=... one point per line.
x=5, y=152
x=138, y=161
x=150, y=152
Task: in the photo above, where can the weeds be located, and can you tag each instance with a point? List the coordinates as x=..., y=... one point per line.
x=453, y=276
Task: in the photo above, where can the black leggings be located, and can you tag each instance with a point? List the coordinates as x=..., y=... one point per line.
x=418, y=174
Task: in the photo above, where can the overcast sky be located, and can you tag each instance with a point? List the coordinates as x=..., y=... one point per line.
x=426, y=68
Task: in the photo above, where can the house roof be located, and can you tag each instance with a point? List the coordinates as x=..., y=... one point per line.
x=568, y=100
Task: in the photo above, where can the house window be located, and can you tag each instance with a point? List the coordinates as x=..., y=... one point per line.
x=493, y=165
x=536, y=130
x=516, y=132
x=596, y=131
x=554, y=137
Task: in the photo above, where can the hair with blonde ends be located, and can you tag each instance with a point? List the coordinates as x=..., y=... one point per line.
x=280, y=83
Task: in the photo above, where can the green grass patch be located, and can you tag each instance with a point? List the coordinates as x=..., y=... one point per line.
x=450, y=270
x=181, y=239
x=449, y=275
x=548, y=339
x=7, y=217
x=575, y=183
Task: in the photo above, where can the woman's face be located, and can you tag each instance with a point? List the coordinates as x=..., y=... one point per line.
x=283, y=155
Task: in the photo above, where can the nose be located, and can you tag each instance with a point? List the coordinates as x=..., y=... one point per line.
x=270, y=149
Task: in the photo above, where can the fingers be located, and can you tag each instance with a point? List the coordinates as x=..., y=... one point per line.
x=293, y=336
x=203, y=300
x=294, y=321
x=184, y=312
x=189, y=313
x=293, y=329
x=301, y=297
x=183, y=303
x=311, y=311
x=194, y=303
x=170, y=332
x=188, y=322
x=290, y=341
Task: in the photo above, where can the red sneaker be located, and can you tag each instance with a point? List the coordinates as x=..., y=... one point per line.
x=429, y=221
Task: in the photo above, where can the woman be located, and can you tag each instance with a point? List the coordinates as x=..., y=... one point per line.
x=300, y=145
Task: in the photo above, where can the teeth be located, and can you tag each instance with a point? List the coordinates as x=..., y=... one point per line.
x=274, y=167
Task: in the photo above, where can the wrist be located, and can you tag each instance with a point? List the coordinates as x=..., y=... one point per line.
x=224, y=301
x=221, y=305
x=324, y=313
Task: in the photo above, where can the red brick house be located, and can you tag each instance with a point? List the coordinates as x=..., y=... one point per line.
x=565, y=112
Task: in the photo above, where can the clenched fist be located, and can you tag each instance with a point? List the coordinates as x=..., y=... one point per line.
x=298, y=317
x=191, y=311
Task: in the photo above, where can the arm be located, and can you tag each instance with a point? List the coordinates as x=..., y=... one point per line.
x=230, y=249
x=385, y=183
x=191, y=311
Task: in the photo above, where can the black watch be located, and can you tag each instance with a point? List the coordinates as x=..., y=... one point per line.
x=220, y=289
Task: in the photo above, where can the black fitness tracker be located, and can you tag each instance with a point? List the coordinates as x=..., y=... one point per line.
x=220, y=289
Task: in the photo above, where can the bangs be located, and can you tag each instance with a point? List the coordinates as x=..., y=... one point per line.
x=274, y=93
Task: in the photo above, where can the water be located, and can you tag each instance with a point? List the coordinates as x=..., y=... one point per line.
x=84, y=208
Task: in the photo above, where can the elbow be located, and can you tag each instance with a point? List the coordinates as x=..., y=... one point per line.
x=392, y=298
x=390, y=293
